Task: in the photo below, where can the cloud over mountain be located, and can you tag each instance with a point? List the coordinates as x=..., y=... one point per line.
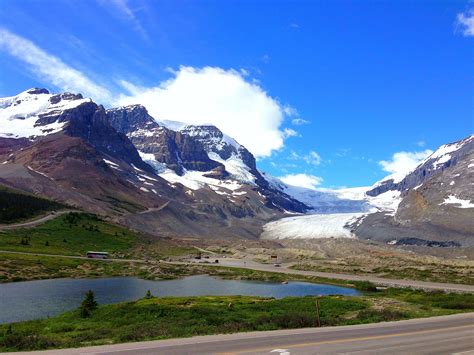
x=402, y=163
x=224, y=98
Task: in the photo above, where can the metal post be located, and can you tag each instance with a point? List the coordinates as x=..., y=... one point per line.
x=318, y=313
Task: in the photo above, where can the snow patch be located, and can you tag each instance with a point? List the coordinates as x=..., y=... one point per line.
x=235, y=167
x=453, y=200
x=111, y=163
x=37, y=172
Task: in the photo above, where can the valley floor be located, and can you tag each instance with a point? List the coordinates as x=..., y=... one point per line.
x=57, y=247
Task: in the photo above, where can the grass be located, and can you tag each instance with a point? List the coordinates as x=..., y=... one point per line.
x=76, y=233
x=17, y=267
x=173, y=317
x=24, y=267
x=69, y=234
x=161, y=318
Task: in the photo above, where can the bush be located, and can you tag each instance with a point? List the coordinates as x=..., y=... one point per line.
x=26, y=340
x=366, y=286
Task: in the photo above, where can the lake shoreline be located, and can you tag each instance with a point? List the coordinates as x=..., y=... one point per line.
x=43, y=298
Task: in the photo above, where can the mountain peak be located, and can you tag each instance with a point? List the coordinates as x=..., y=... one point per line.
x=37, y=91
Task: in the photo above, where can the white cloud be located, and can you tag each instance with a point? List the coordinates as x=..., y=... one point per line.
x=465, y=23
x=403, y=162
x=302, y=180
x=312, y=158
x=124, y=10
x=421, y=143
x=290, y=111
x=225, y=98
x=288, y=132
x=50, y=68
x=299, y=121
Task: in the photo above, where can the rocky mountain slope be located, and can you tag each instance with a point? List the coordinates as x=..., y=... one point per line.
x=122, y=164
x=63, y=147
x=437, y=205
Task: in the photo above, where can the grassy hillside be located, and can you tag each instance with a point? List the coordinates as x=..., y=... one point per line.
x=161, y=318
x=70, y=234
x=16, y=206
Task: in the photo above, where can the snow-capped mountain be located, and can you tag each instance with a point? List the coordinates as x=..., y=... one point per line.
x=121, y=163
x=437, y=201
x=197, y=156
x=444, y=157
x=83, y=162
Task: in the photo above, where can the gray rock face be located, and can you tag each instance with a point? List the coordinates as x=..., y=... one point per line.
x=89, y=122
x=131, y=118
x=37, y=91
x=65, y=96
x=175, y=149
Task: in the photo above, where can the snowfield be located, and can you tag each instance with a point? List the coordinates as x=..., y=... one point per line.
x=314, y=226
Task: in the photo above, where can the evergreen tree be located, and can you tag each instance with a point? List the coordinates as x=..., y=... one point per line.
x=88, y=305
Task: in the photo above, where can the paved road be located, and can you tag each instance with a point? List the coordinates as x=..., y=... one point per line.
x=35, y=222
x=437, y=335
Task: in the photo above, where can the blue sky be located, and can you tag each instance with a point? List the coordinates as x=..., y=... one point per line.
x=328, y=89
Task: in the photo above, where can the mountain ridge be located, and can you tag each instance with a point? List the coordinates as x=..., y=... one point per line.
x=191, y=179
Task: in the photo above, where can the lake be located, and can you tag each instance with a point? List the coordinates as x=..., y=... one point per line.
x=44, y=298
